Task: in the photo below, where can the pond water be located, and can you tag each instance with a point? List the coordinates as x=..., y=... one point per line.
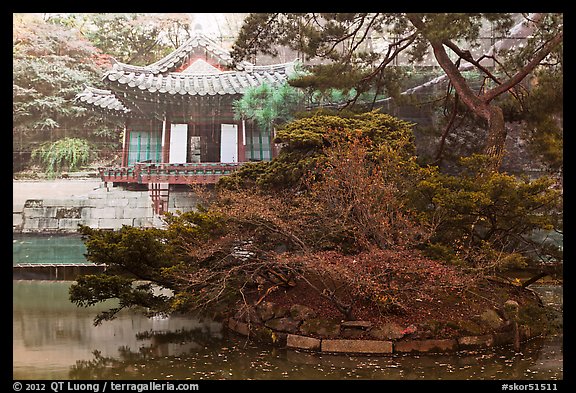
x=54, y=249
x=53, y=339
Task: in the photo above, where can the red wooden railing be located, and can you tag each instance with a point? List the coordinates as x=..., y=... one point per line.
x=188, y=173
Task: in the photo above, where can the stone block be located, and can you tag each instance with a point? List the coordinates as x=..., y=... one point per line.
x=357, y=346
x=32, y=212
x=137, y=212
x=265, y=310
x=285, y=324
x=138, y=202
x=82, y=201
x=109, y=223
x=33, y=203
x=491, y=319
x=433, y=345
x=117, y=202
x=69, y=224
x=183, y=200
x=470, y=327
x=30, y=224
x=352, y=333
x=98, y=203
x=119, y=212
x=364, y=325
x=126, y=221
x=68, y=212
x=71, y=202
x=502, y=339
x=388, y=331
x=86, y=213
x=54, y=202
x=142, y=222
x=303, y=342
x=320, y=327
x=47, y=223
x=17, y=220
x=40, y=212
x=469, y=342
x=92, y=223
x=238, y=327
x=266, y=335
x=105, y=212
x=300, y=312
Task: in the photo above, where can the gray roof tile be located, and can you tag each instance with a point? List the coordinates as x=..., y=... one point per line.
x=223, y=83
x=102, y=99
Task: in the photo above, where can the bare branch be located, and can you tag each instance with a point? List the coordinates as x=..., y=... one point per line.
x=528, y=68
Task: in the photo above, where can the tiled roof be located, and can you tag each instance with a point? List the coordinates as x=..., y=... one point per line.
x=175, y=59
x=199, y=79
x=194, y=84
x=102, y=99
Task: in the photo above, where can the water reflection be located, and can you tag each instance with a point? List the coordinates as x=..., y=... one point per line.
x=240, y=361
x=53, y=339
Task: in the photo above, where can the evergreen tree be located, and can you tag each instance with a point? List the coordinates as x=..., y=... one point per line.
x=343, y=41
x=51, y=64
x=136, y=38
x=55, y=57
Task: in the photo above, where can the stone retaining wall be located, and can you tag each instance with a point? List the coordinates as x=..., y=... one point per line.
x=54, y=272
x=102, y=208
x=376, y=347
x=300, y=328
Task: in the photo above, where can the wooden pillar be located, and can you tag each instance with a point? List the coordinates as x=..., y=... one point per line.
x=125, y=143
x=274, y=148
x=241, y=144
x=166, y=125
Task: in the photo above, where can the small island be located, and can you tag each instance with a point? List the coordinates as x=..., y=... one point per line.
x=445, y=323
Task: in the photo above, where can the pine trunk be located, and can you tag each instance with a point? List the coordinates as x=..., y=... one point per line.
x=496, y=138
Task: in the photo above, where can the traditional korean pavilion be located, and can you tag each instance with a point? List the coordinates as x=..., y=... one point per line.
x=179, y=120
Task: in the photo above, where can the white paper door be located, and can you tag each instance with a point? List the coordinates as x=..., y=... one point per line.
x=178, y=143
x=229, y=143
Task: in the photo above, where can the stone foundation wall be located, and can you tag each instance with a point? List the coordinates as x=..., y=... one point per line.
x=54, y=272
x=102, y=208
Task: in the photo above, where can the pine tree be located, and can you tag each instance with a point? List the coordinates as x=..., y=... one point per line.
x=344, y=45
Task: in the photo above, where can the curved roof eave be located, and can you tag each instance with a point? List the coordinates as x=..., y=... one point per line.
x=103, y=100
x=226, y=82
